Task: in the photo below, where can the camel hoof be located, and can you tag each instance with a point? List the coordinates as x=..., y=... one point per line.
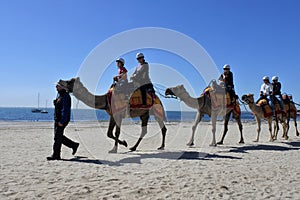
x=286, y=138
x=220, y=142
x=255, y=140
x=132, y=149
x=297, y=134
x=190, y=144
x=241, y=142
x=271, y=140
x=113, y=151
x=124, y=143
x=161, y=148
x=213, y=145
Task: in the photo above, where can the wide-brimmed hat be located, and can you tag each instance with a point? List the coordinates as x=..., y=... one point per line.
x=62, y=85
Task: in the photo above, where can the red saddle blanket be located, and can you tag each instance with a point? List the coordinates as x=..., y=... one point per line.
x=119, y=102
x=268, y=112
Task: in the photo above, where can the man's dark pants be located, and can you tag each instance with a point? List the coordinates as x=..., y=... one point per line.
x=60, y=139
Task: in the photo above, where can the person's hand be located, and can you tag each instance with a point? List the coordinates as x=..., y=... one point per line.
x=60, y=124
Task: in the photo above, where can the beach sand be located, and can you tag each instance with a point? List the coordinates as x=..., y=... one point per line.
x=263, y=170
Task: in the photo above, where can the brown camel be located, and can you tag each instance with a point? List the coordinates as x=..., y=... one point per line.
x=259, y=114
x=291, y=113
x=100, y=102
x=203, y=105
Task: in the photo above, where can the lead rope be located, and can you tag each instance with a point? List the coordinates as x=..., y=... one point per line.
x=159, y=89
x=244, y=104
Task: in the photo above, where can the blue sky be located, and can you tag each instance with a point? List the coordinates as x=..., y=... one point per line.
x=43, y=41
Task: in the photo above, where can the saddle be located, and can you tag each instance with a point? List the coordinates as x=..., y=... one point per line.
x=263, y=103
x=289, y=107
x=120, y=101
x=220, y=99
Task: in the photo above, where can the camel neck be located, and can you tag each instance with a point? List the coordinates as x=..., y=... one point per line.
x=91, y=100
x=188, y=100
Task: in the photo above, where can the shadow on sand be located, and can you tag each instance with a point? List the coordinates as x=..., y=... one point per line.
x=136, y=157
x=264, y=147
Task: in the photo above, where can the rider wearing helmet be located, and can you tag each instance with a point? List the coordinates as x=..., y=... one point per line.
x=277, y=92
x=226, y=79
x=266, y=88
x=141, y=77
x=120, y=81
x=266, y=91
x=122, y=71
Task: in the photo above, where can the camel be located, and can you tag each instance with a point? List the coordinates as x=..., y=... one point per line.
x=203, y=105
x=76, y=87
x=259, y=114
x=291, y=113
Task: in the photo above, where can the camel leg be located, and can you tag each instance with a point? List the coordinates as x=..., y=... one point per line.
x=117, y=134
x=295, y=121
x=270, y=128
x=144, y=119
x=112, y=124
x=285, y=125
x=258, y=120
x=214, y=125
x=194, y=127
x=241, y=130
x=163, y=132
x=276, y=129
x=227, y=117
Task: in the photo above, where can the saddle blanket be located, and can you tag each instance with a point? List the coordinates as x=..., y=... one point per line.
x=119, y=102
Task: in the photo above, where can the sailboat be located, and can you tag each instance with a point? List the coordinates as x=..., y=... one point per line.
x=37, y=110
x=45, y=111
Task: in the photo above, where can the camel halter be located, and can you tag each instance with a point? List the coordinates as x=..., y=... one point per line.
x=160, y=91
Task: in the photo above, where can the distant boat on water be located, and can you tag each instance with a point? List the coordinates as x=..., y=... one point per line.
x=37, y=110
x=45, y=111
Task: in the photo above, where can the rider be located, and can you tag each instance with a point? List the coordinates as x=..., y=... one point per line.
x=121, y=78
x=141, y=77
x=266, y=91
x=226, y=80
x=277, y=92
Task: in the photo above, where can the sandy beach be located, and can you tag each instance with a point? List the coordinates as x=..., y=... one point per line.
x=263, y=170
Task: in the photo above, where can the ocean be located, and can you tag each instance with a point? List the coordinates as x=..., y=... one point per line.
x=25, y=114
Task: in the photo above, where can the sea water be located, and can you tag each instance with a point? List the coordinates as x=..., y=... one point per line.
x=25, y=114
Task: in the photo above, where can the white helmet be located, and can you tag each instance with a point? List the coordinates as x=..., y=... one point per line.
x=274, y=78
x=121, y=60
x=226, y=66
x=139, y=55
x=266, y=78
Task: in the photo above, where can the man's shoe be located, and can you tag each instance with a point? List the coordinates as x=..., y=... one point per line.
x=75, y=148
x=53, y=158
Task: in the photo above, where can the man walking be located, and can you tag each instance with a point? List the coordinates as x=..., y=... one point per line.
x=62, y=115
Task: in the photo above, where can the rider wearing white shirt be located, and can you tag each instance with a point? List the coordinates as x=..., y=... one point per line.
x=266, y=88
x=266, y=92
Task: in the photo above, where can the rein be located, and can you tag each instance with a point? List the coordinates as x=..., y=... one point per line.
x=244, y=104
x=160, y=90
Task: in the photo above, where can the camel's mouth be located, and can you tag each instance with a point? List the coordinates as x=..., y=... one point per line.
x=169, y=92
x=244, y=97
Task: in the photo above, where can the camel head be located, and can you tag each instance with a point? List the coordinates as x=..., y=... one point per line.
x=70, y=84
x=175, y=91
x=248, y=98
